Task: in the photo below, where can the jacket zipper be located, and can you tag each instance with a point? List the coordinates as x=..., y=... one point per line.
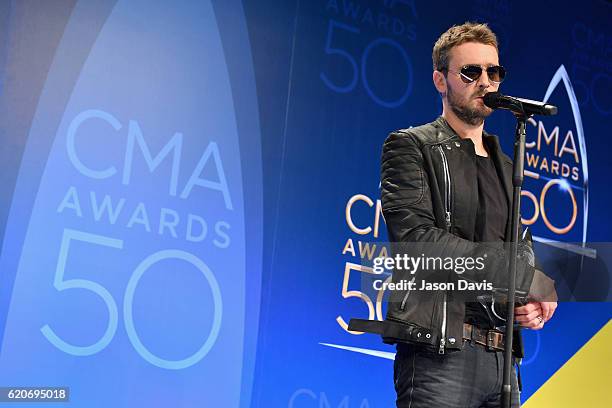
x=447, y=189
x=443, y=338
x=447, y=219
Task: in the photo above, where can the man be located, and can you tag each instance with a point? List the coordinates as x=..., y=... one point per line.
x=449, y=183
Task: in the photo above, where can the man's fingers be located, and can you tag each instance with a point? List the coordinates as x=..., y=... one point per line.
x=528, y=308
x=533, y=315
x=548, y=309
x=534, y=324
x=552, y=311
x=523, y=310
x=529, y=317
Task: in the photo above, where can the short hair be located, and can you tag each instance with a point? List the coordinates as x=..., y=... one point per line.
x=457, y=35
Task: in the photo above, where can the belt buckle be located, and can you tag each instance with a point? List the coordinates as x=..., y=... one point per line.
x=491, y=343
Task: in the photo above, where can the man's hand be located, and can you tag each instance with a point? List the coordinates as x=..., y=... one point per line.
x=548, y=309
x=533, y=315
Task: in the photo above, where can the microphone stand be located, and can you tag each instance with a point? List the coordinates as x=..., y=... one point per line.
x=517, y=183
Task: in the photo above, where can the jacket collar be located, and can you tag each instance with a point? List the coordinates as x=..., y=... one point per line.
x=490, y=140
x=445, y=132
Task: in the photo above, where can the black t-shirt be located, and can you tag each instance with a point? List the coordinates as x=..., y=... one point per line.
x=491, y=218
x=492, y=212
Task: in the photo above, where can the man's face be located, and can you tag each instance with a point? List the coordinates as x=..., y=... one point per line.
x=465, y=99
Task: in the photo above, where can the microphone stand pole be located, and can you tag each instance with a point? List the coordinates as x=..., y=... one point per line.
x=517, y=183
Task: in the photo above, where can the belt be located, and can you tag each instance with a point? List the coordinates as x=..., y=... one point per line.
x=491, y=339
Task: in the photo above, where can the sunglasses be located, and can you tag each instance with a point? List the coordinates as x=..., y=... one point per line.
x=471, y=73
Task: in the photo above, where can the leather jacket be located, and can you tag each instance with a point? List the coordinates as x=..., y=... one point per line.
x=430, y=194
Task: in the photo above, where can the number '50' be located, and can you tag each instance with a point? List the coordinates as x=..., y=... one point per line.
x=62, y=284
x=346, y=56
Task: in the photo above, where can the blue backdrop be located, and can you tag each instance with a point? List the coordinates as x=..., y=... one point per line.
x=188, y=190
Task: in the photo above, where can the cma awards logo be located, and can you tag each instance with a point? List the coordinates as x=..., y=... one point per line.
x=555, y=194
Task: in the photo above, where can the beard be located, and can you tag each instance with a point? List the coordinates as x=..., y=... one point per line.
x=474, y=116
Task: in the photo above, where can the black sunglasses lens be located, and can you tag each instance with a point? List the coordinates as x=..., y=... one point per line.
x=497, y=73
x=472, y=72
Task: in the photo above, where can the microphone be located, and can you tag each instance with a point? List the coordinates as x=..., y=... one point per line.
x=496, y=100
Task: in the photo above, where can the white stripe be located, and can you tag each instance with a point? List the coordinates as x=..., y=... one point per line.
x=375, y=353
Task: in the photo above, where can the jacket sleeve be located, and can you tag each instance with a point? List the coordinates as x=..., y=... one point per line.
x=409, y=215
x=542, y=286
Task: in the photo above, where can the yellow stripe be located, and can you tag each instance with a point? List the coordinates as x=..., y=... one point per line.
x=585, y=380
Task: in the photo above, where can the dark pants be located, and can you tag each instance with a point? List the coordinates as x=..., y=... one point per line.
x=468, y=378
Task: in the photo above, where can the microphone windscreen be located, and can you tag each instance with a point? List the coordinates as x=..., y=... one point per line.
x=492, y=99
